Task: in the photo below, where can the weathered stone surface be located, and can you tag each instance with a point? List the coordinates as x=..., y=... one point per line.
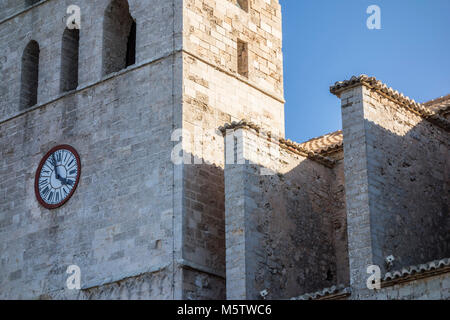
x=396, y=172
x=240, y=216
x=119, y=223
x=284, y=230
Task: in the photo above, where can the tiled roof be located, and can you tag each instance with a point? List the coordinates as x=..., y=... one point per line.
x=325, y=144
x=417, y=270
x=406, y=274
x=286, y=144
x=331, y=292
x=440, y=105
x=391, y=94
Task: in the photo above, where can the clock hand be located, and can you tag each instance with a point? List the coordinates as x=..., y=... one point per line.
x=64, y=181
x=54, y=166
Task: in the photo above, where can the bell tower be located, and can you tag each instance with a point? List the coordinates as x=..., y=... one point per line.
x=232, y=70
x=118, y=91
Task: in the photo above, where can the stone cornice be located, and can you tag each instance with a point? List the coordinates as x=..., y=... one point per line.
x=373, y=84
x=88, y=85
x=283, y=143
x=332, y=293
x=416, y=272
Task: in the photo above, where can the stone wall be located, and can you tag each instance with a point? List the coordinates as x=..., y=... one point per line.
x=214, y=93
x=283, y=216
x=396, y=172
x=213, y=27
x=121, y=227
x=11, y=7
x=157, y=36
x=408, y=171
x=429, y=288
x=356, y=188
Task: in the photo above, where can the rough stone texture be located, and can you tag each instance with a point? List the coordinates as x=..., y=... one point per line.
x=11, y=7
x=141, y=226
x=356, y=188
x=430, y=288
x=396, y=172
x=213, y=36
x=212, y=29
x=123, y=205
x=214, y=93
x=408, y=173
x=121, y=125
x=202, y=286
x=267, y=215
x=119, y=225
x=16, y=33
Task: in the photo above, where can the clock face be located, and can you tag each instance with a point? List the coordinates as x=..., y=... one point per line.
x=57, y=176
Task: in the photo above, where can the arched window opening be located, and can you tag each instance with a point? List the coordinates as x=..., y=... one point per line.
x=119, y=37
x=30, y=75
x=131, y=46
x=242, y=58
x=69, y=60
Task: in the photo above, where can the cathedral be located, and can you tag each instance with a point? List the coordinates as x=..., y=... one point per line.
x=143, y=156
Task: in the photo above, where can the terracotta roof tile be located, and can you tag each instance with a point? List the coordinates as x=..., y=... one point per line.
x=340, y=290
x=325, y=144
x=418, y=269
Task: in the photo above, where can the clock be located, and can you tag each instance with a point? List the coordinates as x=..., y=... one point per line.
x=57, y=176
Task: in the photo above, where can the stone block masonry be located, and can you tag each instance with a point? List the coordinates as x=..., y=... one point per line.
x=216, y=92
x=396, y=173
x=121, y=124
x=287, y=220
x=119, y=227
x=266, y=218
x=123, y=205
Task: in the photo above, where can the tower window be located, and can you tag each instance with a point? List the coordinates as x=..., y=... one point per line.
x=30, y=75
x=243, y=4
x=119, y=37
x=242, y=58
x=131, y=46
x=69, y=60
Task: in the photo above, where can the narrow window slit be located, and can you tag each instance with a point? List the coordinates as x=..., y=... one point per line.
x=131, y=46
x=242, y=58
x=119, y=37
x=69, y=60
x=30, y=75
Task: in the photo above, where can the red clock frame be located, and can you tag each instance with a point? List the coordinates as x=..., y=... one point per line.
x=38, y=171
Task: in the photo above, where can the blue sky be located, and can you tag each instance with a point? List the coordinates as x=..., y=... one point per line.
x=327, y=41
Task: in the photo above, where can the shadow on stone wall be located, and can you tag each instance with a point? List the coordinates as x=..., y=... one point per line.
x=408, y=180
x=204, y=229
x=295, y=227
x=301, y=216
